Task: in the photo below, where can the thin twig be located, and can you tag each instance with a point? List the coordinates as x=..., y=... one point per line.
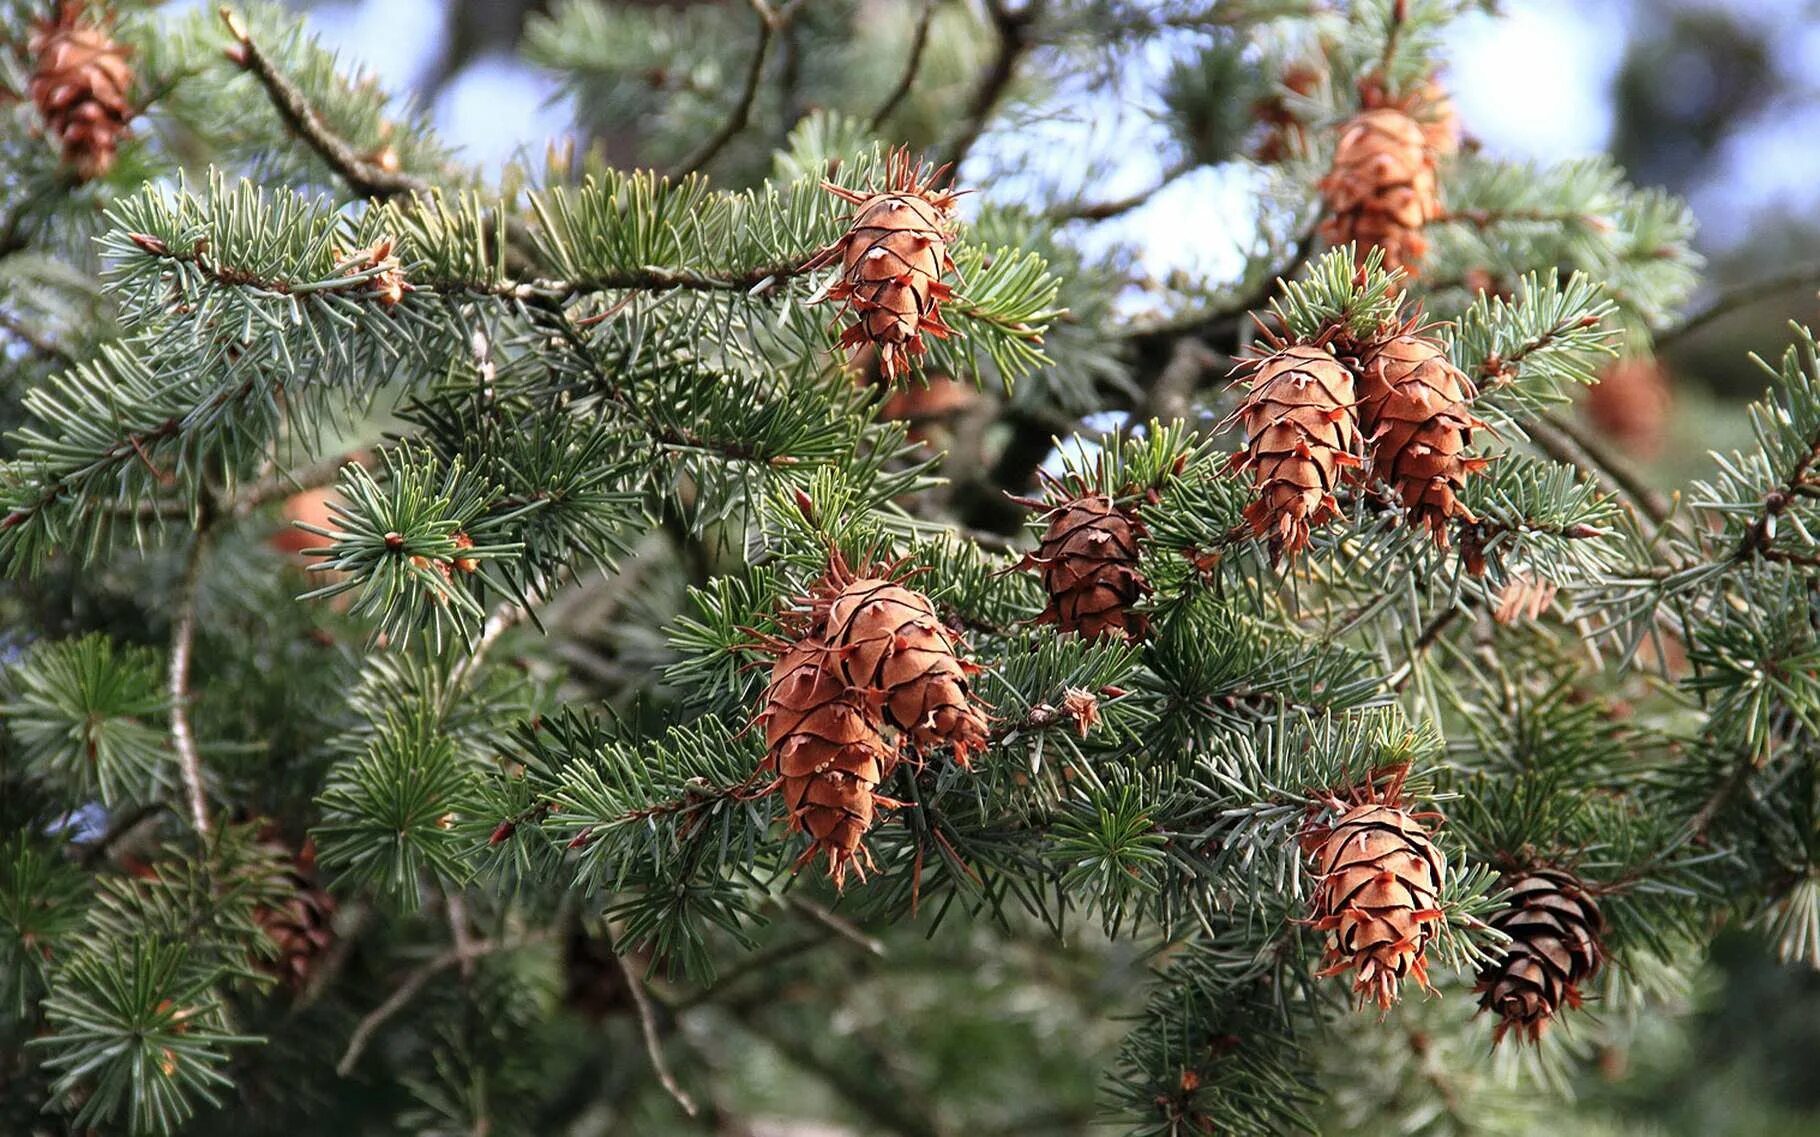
x=841, y=927
x=1742, y=296
x=183, y=641
x=647, y=1025
x=504, y=617
x=1654, y=506
x=364, y=177
x=768, y=24
x=415, y=982
x=918, y=41
x=1105, y=210
x=1014, y=39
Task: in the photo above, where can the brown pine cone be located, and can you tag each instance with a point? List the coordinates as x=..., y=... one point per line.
x=829, y=754
x=301, y=925
x=1088, y=559
x=1378, y=897
x=1414, y=410
x=895, y=652
x=892, y=259
x=1631, y=403
x=1555, y=926
x=80, y=81
x=1381, y=191
x=1286, y=135
x=1301, y=432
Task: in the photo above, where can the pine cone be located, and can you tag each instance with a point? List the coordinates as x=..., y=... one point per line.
x=1554, y=927
x=1286, y=135
x=302, y=925
x=895, y=652
x=1413, y=407
x=1631, y=403
x=80, y=79
x=1088, y=560
x=1378, y=897
x=1301, y=431
x=892, y=257
x=829, y=754
x=1382, y=191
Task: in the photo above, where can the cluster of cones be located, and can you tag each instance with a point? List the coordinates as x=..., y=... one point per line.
x=869, y=675
x=80, y=83
x=1332, y=412
x=1378, y=880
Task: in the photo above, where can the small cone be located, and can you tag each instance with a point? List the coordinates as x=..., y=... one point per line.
x=1088, y=559
x=893, y=649
x=826, y=747
x=1555, y=926
x=80, y=83
x=1301, y=432
x=893, y=257
x=1381, y=191
x=1285, y=135
x=1414, y=409
x=302, y=925
x=1378, y=897
x=1630, y=404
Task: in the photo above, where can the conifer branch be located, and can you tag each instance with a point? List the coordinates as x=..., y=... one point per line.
x=364, y=177
x=1737, y=298
x=1118, y=206
x=770, y=22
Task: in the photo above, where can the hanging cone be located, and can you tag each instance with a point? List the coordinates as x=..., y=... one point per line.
x=1378, y=897
x=80, y=81
x=1285, y=135
x=1301, y=435
x=894, y=651
x=1088, y=560
x=1630, y=404
x=1414, y=409
x=1381, y=191
x=893, y=257
x=825, y=746
x=301, y=925
x=1555, y=926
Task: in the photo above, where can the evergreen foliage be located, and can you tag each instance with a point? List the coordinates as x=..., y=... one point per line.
x=378, y=529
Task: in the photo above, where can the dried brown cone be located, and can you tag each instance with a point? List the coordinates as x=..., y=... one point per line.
x=1630, y=404
x=1377, y=896
x=80, y=83
x=1088, y=560
x=1301, y=437
x=894, y=651
x=301, y=924
x=1381, y=191
x=892, y=258
x=828, y=751
x=1414, y=407
x=1555, y=928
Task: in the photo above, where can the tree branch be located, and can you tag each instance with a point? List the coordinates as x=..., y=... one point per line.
x=1014, y=39
x=1105, y=210
x=183, y=640
x=769, y=22
x=647, y=1026
x=1741, y=296
x=918, y=41
x=364, y=177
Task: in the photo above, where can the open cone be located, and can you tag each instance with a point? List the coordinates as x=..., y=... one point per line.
x=892, y=259
x=1378, y=897
x=1301, y=437
x=80, y=84
x=1414, y=406
x=1381, y=191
